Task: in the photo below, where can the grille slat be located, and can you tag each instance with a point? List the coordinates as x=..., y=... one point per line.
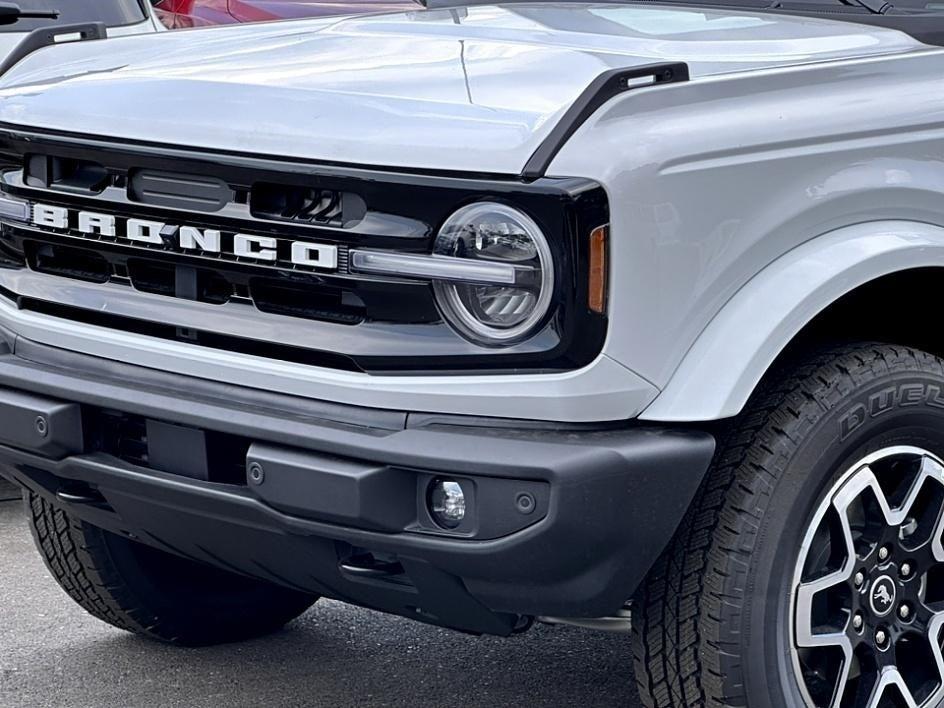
x=303, y=299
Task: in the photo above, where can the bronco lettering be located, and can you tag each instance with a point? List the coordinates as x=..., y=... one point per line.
x=185, y=238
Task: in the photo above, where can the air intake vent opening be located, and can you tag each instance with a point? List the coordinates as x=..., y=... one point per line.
x=313, y=302
x=68, y=175
x=306, y=205
x=160, y=279
x=117, y=434
x=126, y=436
x=67, y=262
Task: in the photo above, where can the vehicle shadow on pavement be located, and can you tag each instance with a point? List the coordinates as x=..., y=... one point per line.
x=51, y=653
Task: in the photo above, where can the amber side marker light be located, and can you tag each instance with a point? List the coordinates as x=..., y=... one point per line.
x=596, y=293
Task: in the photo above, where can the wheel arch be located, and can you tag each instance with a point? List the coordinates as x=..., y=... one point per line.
x=839, y=286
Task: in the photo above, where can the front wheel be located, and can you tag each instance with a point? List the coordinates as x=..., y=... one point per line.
x=810, y=569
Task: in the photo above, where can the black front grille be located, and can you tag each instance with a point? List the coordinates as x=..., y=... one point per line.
x=342, y=319
x=200, y=284
x=301, y=297
x=311, y=302
x=314, y=205
x=78, y=263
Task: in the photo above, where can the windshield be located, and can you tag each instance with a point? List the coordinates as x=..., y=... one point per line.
x=113, y=13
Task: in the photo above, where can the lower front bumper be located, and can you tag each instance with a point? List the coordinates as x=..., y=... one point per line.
x=332, y=499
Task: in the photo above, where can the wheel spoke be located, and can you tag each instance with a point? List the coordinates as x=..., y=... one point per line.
x=855, y=495
x=891, y=681
x=806, y=635
x=933, y=635
x=930, y=470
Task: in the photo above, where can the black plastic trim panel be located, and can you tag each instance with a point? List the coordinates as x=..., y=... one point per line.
x=603, y=88
x=48, y=36
x=604, y=501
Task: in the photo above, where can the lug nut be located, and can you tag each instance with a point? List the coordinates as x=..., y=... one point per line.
x=905, y=570
x=859, y=579
x=883, y=553
x=881, y=637
x=857, y=622
x=904, y=612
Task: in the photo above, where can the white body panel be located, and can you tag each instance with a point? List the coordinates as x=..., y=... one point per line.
x=475, y=90
x=603, y=391
x=789, y=130
x=703, y=213
x=714, y=380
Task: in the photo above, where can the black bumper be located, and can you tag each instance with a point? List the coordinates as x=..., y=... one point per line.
x=332, y=499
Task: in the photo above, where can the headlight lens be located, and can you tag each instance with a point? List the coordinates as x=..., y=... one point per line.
x=496, y=314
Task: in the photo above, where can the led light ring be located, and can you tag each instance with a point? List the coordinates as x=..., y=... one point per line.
x=447, y=293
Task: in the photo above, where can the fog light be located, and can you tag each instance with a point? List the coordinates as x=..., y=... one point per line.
x=447, y=503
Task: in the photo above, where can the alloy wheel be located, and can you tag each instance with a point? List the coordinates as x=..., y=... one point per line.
x=869, y=587
x=868, y=603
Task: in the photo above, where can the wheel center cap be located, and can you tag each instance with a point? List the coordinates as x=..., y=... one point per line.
x=882, y=595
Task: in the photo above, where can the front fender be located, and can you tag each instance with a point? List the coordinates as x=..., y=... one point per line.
x=728, y=359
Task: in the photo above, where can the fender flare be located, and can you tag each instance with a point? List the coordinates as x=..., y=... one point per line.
x=728, y=359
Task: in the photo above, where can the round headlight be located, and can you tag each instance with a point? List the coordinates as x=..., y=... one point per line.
x=496, y=314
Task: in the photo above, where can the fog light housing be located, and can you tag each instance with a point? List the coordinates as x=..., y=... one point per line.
x=447, y=503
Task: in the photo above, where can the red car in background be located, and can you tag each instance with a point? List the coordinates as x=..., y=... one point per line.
x=195, y=13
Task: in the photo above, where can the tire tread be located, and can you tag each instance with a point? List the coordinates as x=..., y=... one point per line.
x=80, y=558
x=83, y=568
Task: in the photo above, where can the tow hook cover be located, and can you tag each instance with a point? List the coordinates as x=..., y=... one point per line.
x=41, y=425
x=332, y=489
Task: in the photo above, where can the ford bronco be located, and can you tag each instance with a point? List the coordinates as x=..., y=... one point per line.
x=486, y=315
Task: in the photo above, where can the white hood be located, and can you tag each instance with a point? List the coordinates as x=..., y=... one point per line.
x=475, y=89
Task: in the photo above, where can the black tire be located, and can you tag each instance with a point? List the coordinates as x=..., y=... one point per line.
x=147, y=591
x=712, y=624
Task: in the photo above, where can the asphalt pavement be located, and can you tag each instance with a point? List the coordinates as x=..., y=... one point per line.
x=53, y=654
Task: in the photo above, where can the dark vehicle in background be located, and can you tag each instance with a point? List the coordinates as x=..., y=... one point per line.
x=177, y=14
